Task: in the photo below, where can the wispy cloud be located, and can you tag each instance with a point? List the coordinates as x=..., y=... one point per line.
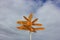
x=13, y=10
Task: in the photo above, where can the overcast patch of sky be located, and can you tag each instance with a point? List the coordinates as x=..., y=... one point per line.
x=13, y=10
x=56, y=2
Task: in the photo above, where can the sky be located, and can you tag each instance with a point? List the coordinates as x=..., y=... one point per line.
x=48, y=12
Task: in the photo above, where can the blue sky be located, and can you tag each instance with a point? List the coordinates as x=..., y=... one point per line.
x=40, y=0
x=48, y=12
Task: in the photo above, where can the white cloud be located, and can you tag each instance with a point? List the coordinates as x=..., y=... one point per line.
x=49, y=16
x=13, y=10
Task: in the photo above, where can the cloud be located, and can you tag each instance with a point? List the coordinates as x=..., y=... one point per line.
x=56, y=3
x=13, y=10
x=49, y=16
